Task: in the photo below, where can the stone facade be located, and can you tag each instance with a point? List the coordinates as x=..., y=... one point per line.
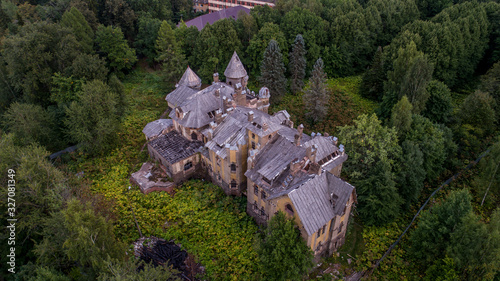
x=226, y=132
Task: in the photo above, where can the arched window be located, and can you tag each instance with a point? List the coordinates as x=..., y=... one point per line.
x=289, y=209
x=234, y=185
x=233, y=168
x=194, y=136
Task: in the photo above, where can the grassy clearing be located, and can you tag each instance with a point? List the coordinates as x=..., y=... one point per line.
x=344, y=106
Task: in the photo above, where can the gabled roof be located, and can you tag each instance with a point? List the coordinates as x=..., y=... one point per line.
x=197, y=106
x=235, y=68
x=155, y=128
x=190, y=79
x=324, y=146
x=312, y=200
x=179, y=95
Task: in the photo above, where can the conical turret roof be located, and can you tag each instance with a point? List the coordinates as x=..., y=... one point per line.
x=235, y=68
x=190, y=79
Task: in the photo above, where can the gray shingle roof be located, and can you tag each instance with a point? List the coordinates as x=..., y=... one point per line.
x=174, y=147
x=324, y=146
x=153, y=129
x=190, y=79
x=312, y=200
x=198, y=105
x=180, y=95
x=235, y=68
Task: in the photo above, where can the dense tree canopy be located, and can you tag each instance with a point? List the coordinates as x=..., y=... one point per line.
x=273, y=71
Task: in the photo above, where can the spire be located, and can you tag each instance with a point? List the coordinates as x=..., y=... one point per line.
x=235, y=68
x=190, y=79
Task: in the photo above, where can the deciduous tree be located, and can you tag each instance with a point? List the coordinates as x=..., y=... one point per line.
x=76, y=21
x=169, y=54
x=439, y=106
x=112, y=44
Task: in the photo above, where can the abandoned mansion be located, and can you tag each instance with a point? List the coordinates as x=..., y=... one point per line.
x=225, y=132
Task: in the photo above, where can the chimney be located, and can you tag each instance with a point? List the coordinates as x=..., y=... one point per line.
x=210, y=134
x=250, y=116
x=295, y=166
x=335, y=140
x=296, y=141
x=311, y=153
x=341, y=149
x=213, y=125
x=216, y=77
x=300, y=129
x=250, y=159
x=228, y=148
x=313, y=134
x=265, y=127
x=218, y=116
x=240, y=96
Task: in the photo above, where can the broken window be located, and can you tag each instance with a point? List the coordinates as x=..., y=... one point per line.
x=188, y=165
x=263, y=194
x=289, y=209
x=256, y=190
x=262, y=212
x=255, y=207
x=234, y=185
x=233, y=167
x=253, y=145
x=194, y=136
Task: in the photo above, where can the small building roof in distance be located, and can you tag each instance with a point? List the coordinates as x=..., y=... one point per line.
x=190, y=79
x=155, y=128
x=203, y=20
x=235, y=68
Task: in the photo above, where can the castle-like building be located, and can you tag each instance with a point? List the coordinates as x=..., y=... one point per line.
x=225, y=132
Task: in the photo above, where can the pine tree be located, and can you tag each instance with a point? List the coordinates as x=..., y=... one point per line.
x=283, y=253
x=372, y=85
x=169, y=53
x=82, y=30
x=298, y=64
x=316, y=97
x=272, y=71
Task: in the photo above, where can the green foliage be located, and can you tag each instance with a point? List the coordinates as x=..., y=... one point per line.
x=432, y=235
x=410, y=75
x=30, y=124
x=147, y=36
x=76, y=21
x=316, y=96
x=312, y=27
x=368, y=142
x=431, y=140
x=439, y=106
x=379, y=201
x=92, y=120
x=214, y=48
x=411, y=173
x=187, y=38
x=431, y=8
x=154, y=9
x=119, y=14
x=283, y=253
x=259, y=43
x=34, y=54
x=478, y=111
x=247, y=28
x=88, y=67
x=272, y=72
x=297, y=64
x=487, y=182
x=442, y=270
x=169, y=54
x=128, y=271
x=490, y=82
x=32, y=272
x=372, y=85
x=64, y=89
x=113, y=45
x=401, y=117
x=90, y=237
x=377, y=240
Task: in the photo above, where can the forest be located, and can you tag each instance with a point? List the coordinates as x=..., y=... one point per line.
x=410, y=87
